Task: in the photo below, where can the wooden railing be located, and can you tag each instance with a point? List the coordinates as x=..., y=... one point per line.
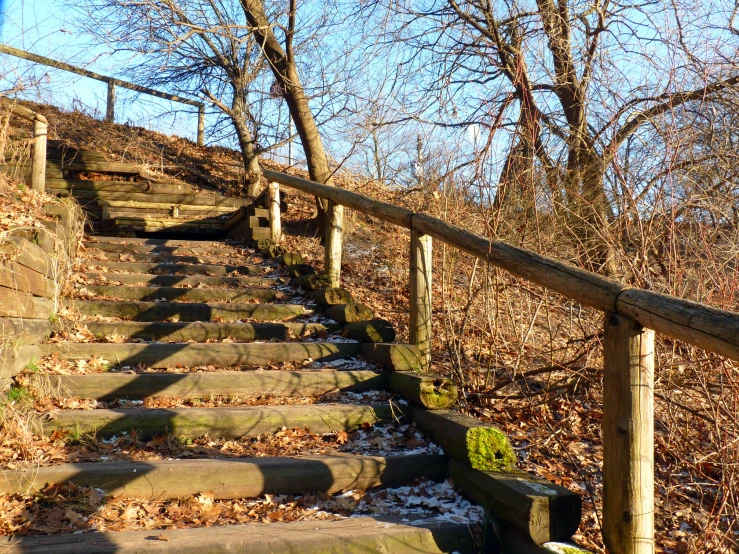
x=112, y=84
x=40, y=129
x=631, y=317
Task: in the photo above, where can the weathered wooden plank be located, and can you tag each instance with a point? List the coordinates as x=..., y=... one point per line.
x=189, y=311
x=331, y=296
x=221, y=250
x=27, y=254
x=15, y=276
x=174, y=268
x=469, y=440
x=235, y=477
x=201, y=331
x=540, y=510
x=183, y=294
x=25, y=331
x=373, y=330
x=393, y=357
x=704, y=326
x=117, y=186
x=192, y=199
x=349, y=313
x=180, y=280
x=14, y=358
x=420, y=295
x=352, y=536
x=156, y=241
x=628, y=436
x=96, y=166
x=223, y=422
x=112, y=386
x=16, y=303
x=196, y=354
x=433, y=392
x=166, y=258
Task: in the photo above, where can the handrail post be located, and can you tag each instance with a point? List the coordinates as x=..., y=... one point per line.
x=628, y=436
x=201, y=125
x=275, y=226
x=334, y=239
x=38, y=166
x=421, y=295
x=110, y=111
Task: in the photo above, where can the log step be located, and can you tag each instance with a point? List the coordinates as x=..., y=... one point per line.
x=181, y=280
x=156, y=242
x=222, y=422
x=135, y=205
x=160, y=355
x=107, y=387
x=166, y=258
x=168, y=198
x=200, y=331
x=155, y=223
x=121, y=168
x=116, y=186
x=189, y=311
x=185, y=213
x=352, y=536
x=156, y=249
x=172, y=294
x=174, y=268
x=231, y=478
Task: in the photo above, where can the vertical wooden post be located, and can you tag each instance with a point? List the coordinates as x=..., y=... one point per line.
x=275, y=226
x=201, y=125
x=628, y=437
x=38, y=166
x=334, y=243
x=420, y=295
x=110, y=112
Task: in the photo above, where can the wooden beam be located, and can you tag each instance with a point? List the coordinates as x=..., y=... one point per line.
x=201, y=125
x=38, y=168
x=628, y=437
x=420, y=295
x=275, y=225
x=334, y=243
x=110, y=106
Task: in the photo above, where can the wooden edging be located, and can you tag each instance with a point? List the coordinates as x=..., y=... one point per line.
x=710, y=328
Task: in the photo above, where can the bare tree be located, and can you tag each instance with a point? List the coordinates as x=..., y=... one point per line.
x=562, y=86
x=203, y=48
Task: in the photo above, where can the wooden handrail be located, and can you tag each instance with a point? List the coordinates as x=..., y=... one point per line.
x=112, y=83
x=710, y=328
x=40, y=131
x=631, y=317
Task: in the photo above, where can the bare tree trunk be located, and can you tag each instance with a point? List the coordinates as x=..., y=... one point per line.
x=283, y=67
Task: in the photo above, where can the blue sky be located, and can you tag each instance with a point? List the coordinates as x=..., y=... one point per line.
x=45, y=27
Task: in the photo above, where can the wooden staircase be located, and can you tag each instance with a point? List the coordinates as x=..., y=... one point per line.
x=191, y=320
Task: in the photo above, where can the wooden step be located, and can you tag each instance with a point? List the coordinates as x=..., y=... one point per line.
x=107, y=387
x=189, y=311
x=159, y=355
x=200, y=331
x=117, y=186
x=223, y=249
x=133, y=205
x=168, y=258
x=174, y=268
x=229, y=478
x=165, y=211
x=181, y=280
x=173, y=294
x=226, y=423
x=120, y=168
x=192, y=199
x=155, y=241
x=360, y=535
x=154, y=224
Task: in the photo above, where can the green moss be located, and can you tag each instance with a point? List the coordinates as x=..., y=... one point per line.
x=489, y=449
x=438, y=398
x=32, y=366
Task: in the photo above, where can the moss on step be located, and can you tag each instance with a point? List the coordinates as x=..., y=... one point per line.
x=488, y=449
